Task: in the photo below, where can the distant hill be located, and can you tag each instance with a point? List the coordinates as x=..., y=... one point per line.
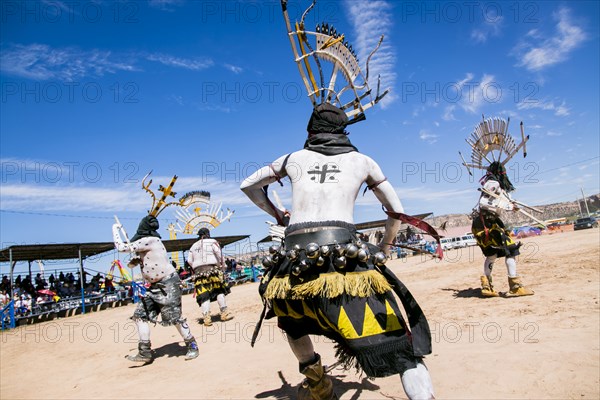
x=549, y=211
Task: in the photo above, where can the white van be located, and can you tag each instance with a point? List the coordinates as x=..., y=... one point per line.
x=468, y=240
x=449, y=243
x=458, y=242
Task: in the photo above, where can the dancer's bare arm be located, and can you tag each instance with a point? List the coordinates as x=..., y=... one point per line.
x=385, y=193
x=253, y=185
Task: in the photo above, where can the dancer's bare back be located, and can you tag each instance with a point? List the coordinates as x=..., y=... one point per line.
x=324, y=187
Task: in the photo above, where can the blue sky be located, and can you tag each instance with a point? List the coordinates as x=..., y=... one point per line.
x=95, y=94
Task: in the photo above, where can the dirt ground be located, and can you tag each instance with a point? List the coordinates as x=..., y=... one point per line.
x=545, y=346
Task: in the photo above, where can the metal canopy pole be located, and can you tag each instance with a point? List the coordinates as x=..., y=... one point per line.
x=12, y=290
x=12, y=269
x=81, y=282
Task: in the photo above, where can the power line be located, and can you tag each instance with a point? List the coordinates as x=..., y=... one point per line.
x=568, y=165
x=59, y=215
x=72, y=216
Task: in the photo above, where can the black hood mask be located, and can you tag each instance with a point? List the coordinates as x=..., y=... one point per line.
x=326, y=129
x=203, y=233
x=497, y=172
x=148, y=227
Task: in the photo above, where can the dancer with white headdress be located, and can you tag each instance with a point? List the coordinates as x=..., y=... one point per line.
x=492, y=148
x=206, y=256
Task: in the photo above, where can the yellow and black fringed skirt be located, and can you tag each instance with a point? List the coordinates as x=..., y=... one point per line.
x=209, y=283
x=492, y=236
x=325, y=282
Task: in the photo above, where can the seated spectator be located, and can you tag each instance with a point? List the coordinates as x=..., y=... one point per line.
x=5, y=284
x=51, y=280
x=27, y=286
x=40, y=283
x=4, y=298
x=108, y=285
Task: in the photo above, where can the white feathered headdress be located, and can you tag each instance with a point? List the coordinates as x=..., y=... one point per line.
x=198, y=212
x=490, y=142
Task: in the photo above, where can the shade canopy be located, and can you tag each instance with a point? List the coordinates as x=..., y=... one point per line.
x=66, y=251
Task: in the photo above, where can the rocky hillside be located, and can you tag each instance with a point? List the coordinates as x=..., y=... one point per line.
x=549, y=211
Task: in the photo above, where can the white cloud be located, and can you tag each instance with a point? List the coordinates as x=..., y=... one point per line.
x=428, y=137
x=42, y=62
x=194, y=64
x=560, y=110
x=370, y=20
x=489, y=27
x=418, y=110
x=449, y=113
x=67, y=197
x=426, y=194
x=552, y=50
x=214, y=107
x=176, y=98
x=234, y=68
x=476, y=93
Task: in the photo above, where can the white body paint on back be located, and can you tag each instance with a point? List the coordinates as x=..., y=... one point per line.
x=325, y=187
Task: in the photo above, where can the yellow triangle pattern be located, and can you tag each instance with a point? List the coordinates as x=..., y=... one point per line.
x=345, y=326
x=392, y=324
x=370, y=325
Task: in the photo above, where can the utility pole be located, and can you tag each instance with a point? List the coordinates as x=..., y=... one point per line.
x=585, y=202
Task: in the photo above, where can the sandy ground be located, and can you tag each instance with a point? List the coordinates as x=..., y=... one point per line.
x=538, y=347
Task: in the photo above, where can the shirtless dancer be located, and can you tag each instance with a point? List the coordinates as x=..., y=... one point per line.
x=327, y=282
x=164, y=294
x=207, y=261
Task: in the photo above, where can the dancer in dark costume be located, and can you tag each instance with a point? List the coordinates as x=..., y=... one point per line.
x=325, y=281
x=492, y=147
x=491, y=234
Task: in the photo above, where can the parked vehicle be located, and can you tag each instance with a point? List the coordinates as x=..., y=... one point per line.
x=468, y=240
x=447, y=243
x=451, y=243
x=585, y=223
x=458, y=242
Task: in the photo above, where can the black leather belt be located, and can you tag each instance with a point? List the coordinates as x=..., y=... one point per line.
x=203, y=268
x=319, y=235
